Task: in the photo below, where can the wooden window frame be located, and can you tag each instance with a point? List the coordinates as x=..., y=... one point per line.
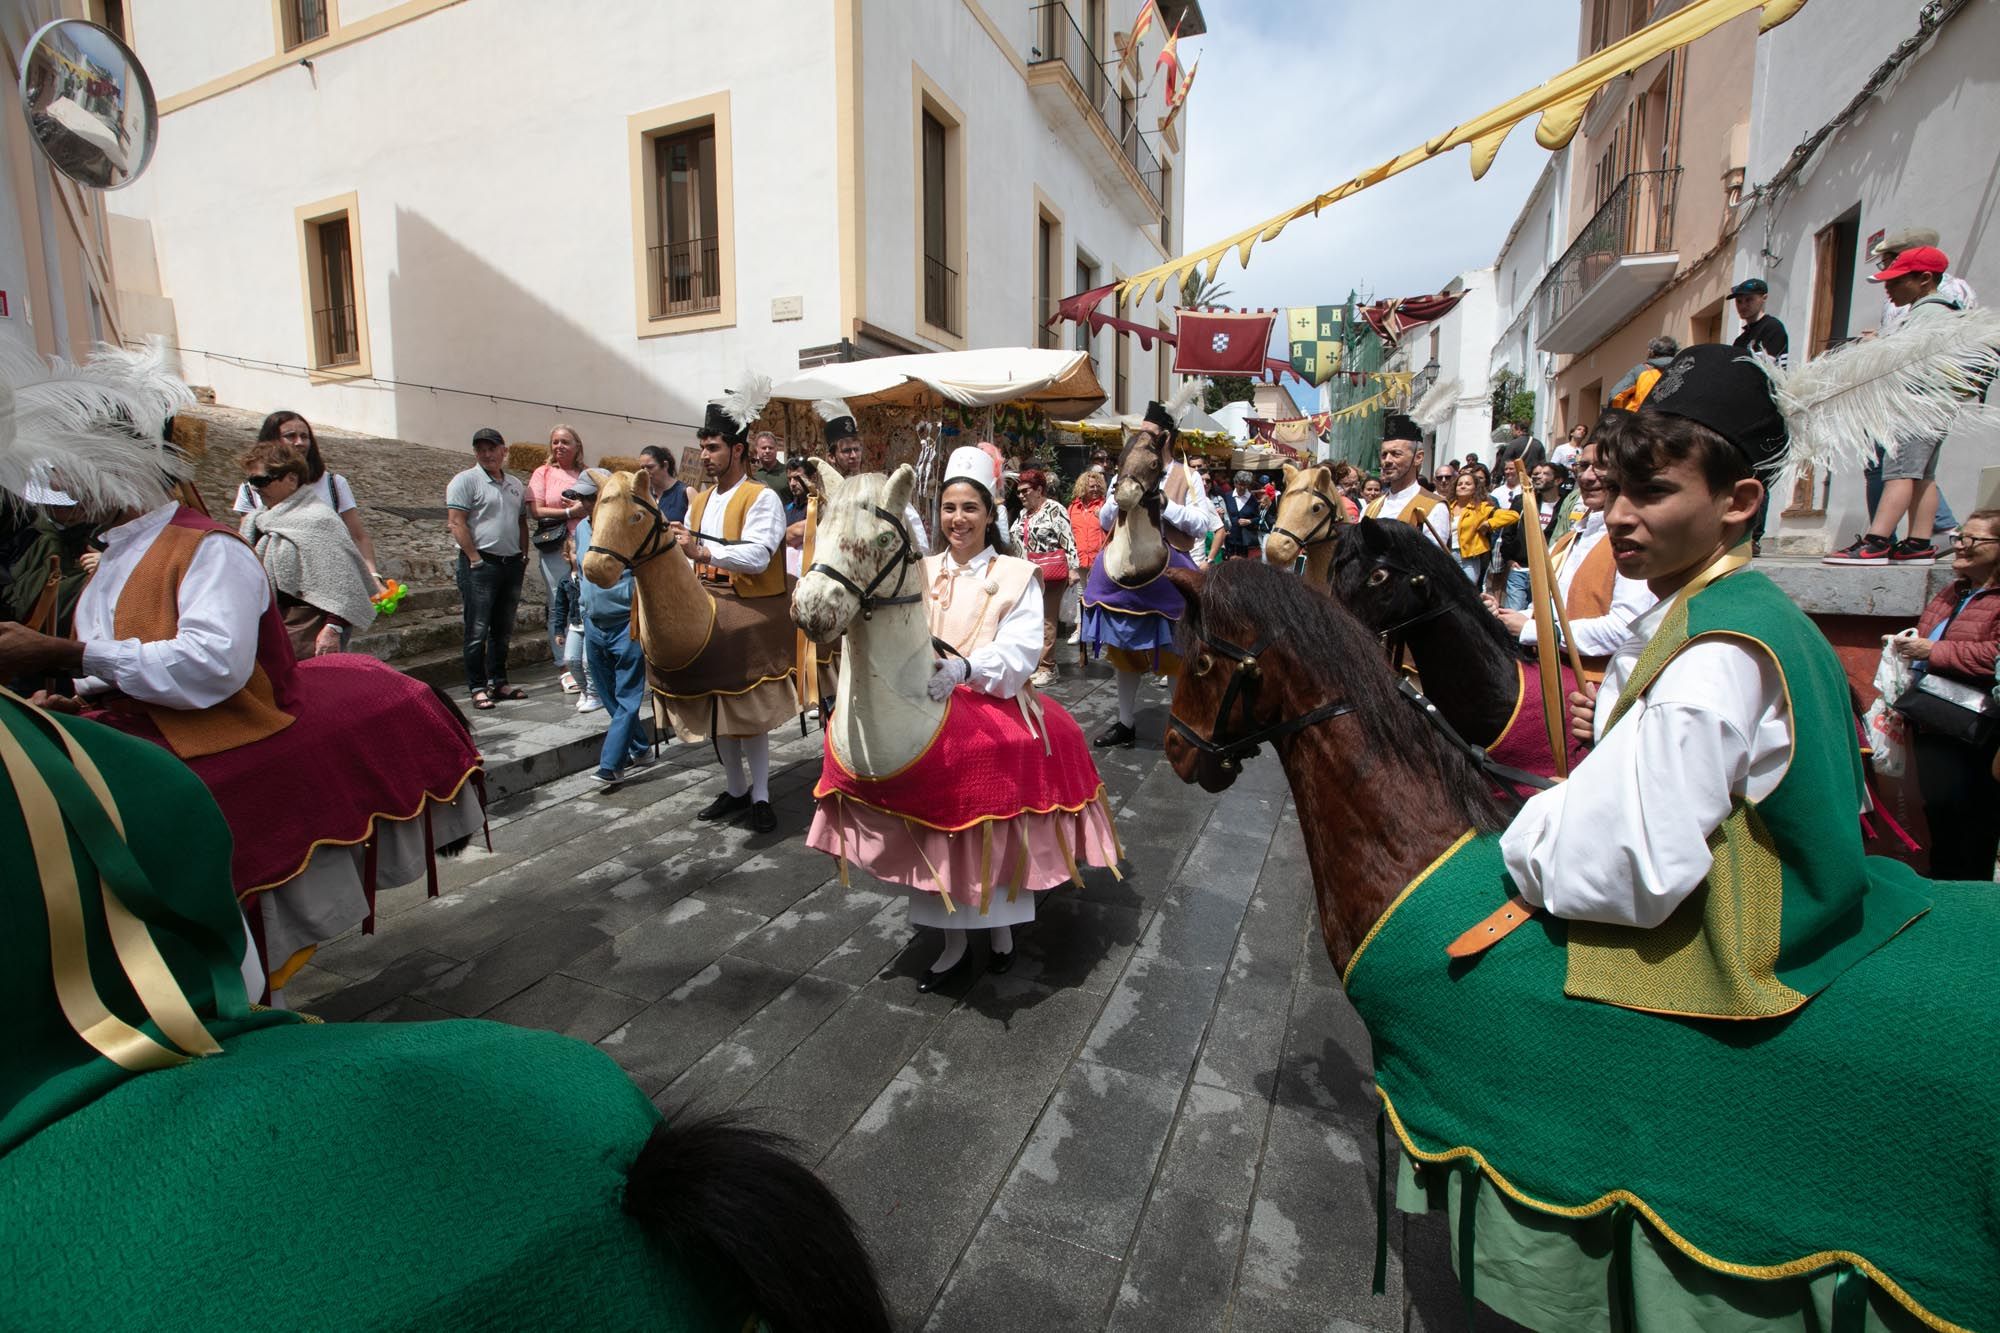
x=307, y=220
x=1043, y=302
x=927, y=98
x=282, y=14
x=643, y=130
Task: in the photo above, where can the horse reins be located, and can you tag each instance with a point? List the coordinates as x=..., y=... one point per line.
x=899, y=563
x=1321, y=531
x=649, y=546
x=1242, y=688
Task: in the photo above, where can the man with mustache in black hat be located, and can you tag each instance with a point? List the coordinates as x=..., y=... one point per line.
x=1707, y=853
x=1403, y=496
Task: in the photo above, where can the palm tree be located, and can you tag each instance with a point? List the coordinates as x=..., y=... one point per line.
x=1197, y=292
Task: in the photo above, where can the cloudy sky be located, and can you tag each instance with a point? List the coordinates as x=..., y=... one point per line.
x=1296, y=96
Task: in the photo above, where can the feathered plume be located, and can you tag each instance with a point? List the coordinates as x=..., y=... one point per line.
x=1436, y=404
x=1178, y=405
x=746, y=402
x=92, y=431
x=1909, y=386
x=832, y=409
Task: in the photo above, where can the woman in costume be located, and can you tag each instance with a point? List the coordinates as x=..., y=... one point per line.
x=965, y=787
x=321, y=582
x=1134, y=627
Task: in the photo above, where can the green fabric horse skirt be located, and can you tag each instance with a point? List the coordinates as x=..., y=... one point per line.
x=433, y=1175
x=1859, y=1131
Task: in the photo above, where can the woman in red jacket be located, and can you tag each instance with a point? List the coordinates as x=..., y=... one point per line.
x=1958, y=637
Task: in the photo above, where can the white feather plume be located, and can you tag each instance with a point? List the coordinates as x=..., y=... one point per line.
x=1436, y=404
x=1183, y=398
x=90, y=430
x=832, y=409
x=1907, y=387
x=745, y=403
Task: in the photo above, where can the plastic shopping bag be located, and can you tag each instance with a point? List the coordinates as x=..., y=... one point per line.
x=1887, y=730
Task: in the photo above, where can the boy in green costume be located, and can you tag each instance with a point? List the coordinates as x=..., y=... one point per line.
x=1709, y=860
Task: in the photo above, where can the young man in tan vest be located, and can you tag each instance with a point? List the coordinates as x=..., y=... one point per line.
x=1601, y=602
x=733, y=534
x=1403, y=496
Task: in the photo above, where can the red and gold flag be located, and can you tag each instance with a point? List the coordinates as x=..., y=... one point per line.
x=1148, y=13
x=1221, y=342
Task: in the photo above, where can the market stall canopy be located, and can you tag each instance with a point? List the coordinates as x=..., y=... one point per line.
x=1060, y=383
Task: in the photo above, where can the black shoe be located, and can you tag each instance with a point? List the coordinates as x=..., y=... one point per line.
x=724, y=806
x=1000, y=962
x=931, y=980
x=1116, y=734
x=763, y=819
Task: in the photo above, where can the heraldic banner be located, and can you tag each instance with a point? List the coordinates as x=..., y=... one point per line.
x=1221, y=342
x=1315, y=337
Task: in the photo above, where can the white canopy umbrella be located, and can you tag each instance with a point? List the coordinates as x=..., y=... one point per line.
x=1059, y=382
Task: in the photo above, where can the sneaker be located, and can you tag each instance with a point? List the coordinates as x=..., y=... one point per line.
x=1042, y=677
x=640, y=761
x=609, y=777
x=1868, y=549
x=1911, y=551
x=589, y=703
x=1076, y=635
x=569, y=685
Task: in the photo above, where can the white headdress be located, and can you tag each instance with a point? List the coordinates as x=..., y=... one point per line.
x=92, y=431
x=971, y=463
x=745, y=403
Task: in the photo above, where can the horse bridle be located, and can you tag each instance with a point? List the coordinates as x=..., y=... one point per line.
x=899, y=563
x=1321, y=531
x=1242, y=687
x=649, y=546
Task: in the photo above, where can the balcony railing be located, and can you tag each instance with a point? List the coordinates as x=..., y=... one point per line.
x=686, y=276
x=940, y=295
x=1059, y=41
x=1637, y=219
x=337, y=334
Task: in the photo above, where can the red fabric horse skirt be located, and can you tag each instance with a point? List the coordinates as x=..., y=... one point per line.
x=369, y=743
x=983, y=763
x=1525, y=742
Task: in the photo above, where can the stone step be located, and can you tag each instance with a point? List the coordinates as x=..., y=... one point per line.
x=445, y=667
x=440, y=625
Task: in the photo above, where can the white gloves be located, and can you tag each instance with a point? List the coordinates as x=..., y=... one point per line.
x=949, y=672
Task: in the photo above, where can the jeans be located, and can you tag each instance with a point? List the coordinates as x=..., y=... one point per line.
x=618, y=669
x=561, y=581
x=1475, y=570
x=1518, y=588
x=491, y=592
x=1872, y=476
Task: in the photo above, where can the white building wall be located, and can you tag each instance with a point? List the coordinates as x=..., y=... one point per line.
x=185, y=43
x=487, y=144
x=1464, y=353
x=1011, y=152
x=1921, y=153
x=1524, y=261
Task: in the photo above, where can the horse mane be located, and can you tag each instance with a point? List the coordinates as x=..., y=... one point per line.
x=1411, y=547
x=1336, y=651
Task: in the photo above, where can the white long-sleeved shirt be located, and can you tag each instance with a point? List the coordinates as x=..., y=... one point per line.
x=214, y=650
x=1002, y=665
x=763, y=532
x=1596, y=636
x=1195, y=516
x=1438, y=521
x=1625, y=840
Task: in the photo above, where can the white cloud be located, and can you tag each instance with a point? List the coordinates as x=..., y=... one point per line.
x=1296, y=96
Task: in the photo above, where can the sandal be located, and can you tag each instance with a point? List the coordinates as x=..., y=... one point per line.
x=509, y=692
x=482, y=700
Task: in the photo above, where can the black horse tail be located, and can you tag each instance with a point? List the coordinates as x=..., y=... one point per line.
x=724, y=1195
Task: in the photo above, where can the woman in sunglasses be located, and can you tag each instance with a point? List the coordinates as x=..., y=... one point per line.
x=322, y=583
x=296, y=433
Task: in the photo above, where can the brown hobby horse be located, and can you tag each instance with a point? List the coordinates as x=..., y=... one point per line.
x=1309, y=519
x=1136, y=551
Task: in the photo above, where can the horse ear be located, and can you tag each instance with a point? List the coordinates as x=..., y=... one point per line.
x=902, y=482
x=1189, y=581
x=828, y=478
x=1371, y=534
x=1291, y=470
x=1323, y=479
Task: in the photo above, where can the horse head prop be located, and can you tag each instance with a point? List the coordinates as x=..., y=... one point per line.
x=1137, y=550
x=1309, y=518
x=626, y=530
x=1392, y=576
x=1243, y=680
x=864, y=557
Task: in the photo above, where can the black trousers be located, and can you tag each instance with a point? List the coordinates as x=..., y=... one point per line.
x=491, y=592
x=1961, y=803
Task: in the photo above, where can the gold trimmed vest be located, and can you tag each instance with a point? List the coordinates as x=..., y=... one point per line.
x=1176, y=492
x=1790, y=902
x=965, y=611
x=767, y=582
x=149, y=610
x=1416, y=513
x=1590, y=592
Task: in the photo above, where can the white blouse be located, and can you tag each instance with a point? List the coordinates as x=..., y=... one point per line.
x=1001, y=666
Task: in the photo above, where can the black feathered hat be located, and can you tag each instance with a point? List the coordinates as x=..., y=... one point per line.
x=719, y=422
x=1722, y=388
x=839, y=419
x=1398, y=426
x=1156, y=412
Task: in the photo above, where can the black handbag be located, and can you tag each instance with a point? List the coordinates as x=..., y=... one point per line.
x=1945, y=707
x=549, y=533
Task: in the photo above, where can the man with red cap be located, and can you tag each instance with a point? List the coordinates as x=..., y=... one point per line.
x=1909, y=471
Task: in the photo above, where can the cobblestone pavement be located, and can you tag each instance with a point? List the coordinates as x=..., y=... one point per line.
x=1159, y=1119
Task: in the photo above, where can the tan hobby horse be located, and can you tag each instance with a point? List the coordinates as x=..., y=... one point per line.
x=716, y=665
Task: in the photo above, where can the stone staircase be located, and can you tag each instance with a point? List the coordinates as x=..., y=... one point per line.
x=425, y=637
